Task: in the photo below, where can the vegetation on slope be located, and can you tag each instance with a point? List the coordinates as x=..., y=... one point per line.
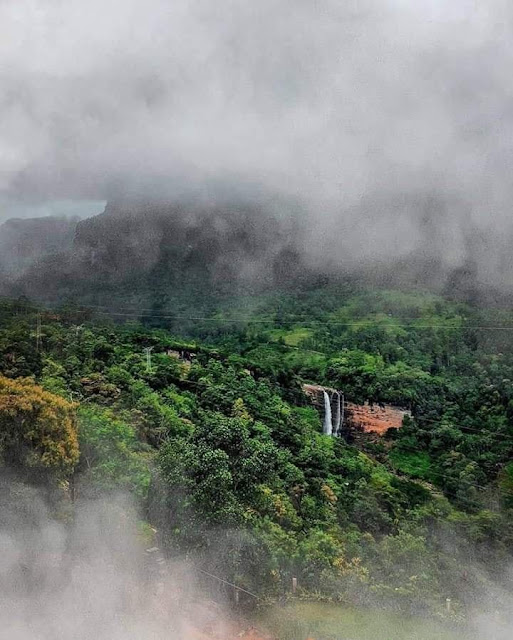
x=226, y=456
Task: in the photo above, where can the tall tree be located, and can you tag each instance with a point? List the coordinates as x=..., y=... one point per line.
x=37, y=428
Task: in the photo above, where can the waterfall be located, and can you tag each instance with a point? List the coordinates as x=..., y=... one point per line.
x=338, y=417
x=342, y=412
x=327, y=426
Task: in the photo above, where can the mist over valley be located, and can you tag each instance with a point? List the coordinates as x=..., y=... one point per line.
x=256, y=320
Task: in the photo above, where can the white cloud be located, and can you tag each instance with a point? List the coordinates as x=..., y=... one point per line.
x=333, y=103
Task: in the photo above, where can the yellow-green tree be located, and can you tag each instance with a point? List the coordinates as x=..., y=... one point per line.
x=37, y=428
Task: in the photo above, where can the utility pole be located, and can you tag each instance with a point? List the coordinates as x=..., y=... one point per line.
x=38, y=333
x=147, y=351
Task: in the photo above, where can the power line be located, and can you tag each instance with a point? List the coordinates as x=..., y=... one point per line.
x=211, y=575
x=289, y=317
x=413, y=479
x=302, y=395
x=297, y=393
x=440, y=474
x=460, y=427
x=320, y=405
x=291, y=391
x=362, y=323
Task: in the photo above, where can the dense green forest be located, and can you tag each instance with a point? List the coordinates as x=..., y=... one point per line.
x=204, y=421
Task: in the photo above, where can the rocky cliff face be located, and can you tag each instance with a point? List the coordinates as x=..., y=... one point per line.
x=138, y=247
x=139, y=252
x=375, y=418
x=24, y=242
x=222, y=244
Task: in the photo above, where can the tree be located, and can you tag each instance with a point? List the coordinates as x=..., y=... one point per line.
x=110, y=454
x=217, y=469
x=37, y=428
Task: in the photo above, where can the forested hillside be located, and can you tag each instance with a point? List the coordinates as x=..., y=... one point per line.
x=205, y=422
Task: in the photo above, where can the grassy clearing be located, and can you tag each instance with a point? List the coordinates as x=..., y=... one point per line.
x=322, y=621
x=293, y=337
x=417, y=464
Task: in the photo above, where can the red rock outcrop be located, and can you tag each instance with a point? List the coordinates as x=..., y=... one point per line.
x=374, y=418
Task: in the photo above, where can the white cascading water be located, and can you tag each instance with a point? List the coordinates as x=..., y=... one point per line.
x=338, y=416
x=327, y=426
x=342, y=413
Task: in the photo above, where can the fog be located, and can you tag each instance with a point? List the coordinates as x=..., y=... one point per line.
x=83, y=572
x=77, y=571
x=56, y=208
x=384, y=127
x=388, y=123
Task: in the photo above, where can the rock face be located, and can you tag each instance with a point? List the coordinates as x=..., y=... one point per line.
x=142, y=249
x=314, y=391
x=24, y=242
x=219, y=244
x=160, y=255
x=369, y=418
x=375, y=418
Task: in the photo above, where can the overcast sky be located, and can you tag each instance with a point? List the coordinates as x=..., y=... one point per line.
x=352, y=107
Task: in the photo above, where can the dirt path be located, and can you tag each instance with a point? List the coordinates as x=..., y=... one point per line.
x=230, y=632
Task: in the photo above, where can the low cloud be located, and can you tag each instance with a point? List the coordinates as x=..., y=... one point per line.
x=75, y=577
x=388, y=123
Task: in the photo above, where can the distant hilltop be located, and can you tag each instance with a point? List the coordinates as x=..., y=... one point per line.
x=136, y=251
x=139, y=247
